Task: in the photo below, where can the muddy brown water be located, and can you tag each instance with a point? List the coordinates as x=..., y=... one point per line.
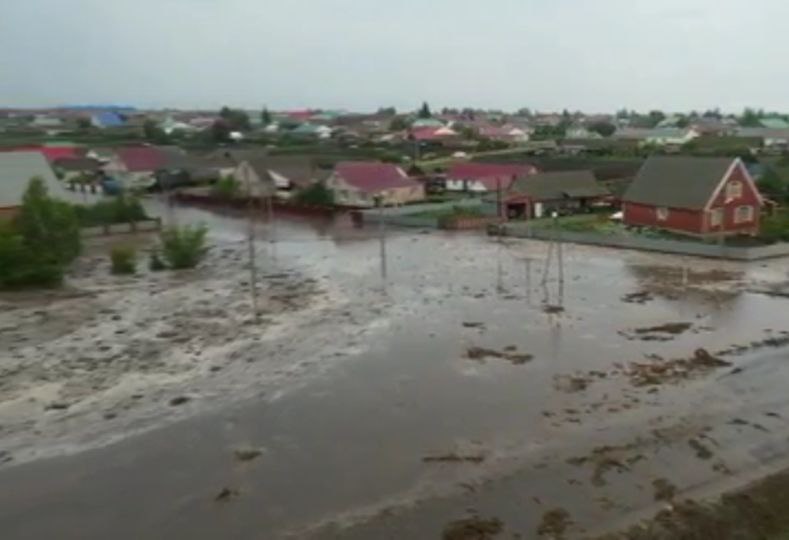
x=343, y=452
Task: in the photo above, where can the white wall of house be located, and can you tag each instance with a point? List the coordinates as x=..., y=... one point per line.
x=348, y=195
x=474, y=186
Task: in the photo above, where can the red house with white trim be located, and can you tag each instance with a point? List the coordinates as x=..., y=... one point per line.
x=698, y=196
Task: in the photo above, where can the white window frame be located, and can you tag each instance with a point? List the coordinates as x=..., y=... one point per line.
x=733, y=190
x=662, y=213
x=749, y=212
x=716, y=217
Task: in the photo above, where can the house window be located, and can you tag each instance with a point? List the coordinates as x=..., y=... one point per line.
x=733, y=190
x=662, y=213
x=716, y=217
x=743, y=214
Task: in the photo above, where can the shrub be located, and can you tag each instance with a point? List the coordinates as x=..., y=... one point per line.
x=123, y=260
x=317, y=194
x=226, y=187
x=22, y=267
x=775, y=228
x=183, y=247
x=118, y=210
x=155, y=262
x=49, y=227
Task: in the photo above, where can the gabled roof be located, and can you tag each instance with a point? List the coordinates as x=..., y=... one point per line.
x=774, y=123
x=77, y=164
x=678, y=182
x=16, y=170
x=371, y=177
x=491, y=175
x=108, y=119
x=558, y=185
x=142, y=158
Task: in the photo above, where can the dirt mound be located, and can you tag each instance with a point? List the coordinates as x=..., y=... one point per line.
x=481, y=353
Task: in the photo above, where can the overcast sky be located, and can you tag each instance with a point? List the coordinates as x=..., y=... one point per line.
x=593, y=55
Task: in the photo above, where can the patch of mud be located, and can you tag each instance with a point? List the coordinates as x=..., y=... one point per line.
x=481, y=354
x=758, y=511
x=455, y=458
x=638, y=297
x=604, y=459
x=661, y=371
x=775, y=341
x=554, y=523
x=473, y=528
x=662, y=332
x=664, y=490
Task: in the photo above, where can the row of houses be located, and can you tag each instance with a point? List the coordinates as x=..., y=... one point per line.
x=691, y=195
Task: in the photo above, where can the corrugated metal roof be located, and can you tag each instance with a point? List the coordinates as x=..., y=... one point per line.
x=16, y=170
x=558, y=185
x=677, y=182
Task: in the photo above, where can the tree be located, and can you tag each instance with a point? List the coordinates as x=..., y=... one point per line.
x=316, y=194
x=236, y=119
x=49, y=227
x=152, y=132
x=603, y=128
x=773, y=186
x=398, y=123
x=220, y=131
x=424, y=112
x=83, y=124
x=683, y=122
x=387, y=111
x=751, y=118
x=265, y=117
x=656, y=117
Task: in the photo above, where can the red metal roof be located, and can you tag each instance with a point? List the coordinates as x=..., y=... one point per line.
x=142, y=158
x=491, y=175
x=52, y=153
x=372, y=177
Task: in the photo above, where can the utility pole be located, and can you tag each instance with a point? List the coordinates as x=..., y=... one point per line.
x=272, y=223
x=382, y=235
x=253, y=273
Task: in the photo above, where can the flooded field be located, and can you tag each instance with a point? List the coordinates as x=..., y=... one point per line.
x=462, y=388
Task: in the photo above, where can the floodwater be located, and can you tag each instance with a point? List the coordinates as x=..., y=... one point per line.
x=343, y=452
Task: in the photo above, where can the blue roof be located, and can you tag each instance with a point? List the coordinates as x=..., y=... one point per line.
x=108, y=119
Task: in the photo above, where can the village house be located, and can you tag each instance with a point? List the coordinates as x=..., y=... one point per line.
x=71, y=169
x=135, y=167
x=539, y=195
x=698, y=196
x=476, y=177
x=107, y=119
x=363, y=184
x=282, y=174
x=16, y=170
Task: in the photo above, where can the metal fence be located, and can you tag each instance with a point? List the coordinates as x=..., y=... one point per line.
x=698, y=249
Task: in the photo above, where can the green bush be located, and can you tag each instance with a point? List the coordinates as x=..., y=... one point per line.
x=22, y=267
x=118, y=210
x=123, y=260
x=184, y=247
x=49, y=227
x=155, y=262
x=317, y=194
x=775, y=228
x=227, y=188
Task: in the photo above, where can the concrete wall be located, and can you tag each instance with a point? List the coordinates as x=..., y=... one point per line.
x=698, y=249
